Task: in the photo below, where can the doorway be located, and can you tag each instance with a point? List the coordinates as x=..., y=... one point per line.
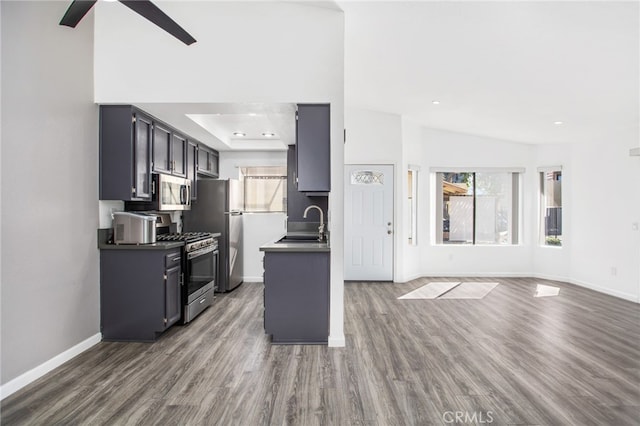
x=368, y=222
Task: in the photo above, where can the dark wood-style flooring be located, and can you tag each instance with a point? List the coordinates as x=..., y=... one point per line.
x=509, y=358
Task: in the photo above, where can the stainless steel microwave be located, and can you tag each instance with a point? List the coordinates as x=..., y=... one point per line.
x=168, y=193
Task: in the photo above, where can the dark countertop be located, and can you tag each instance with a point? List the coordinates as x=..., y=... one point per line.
x=162, y=245
x=103, y=244
x=298, y=246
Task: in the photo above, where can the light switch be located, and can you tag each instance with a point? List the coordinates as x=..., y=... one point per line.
x=634, y=226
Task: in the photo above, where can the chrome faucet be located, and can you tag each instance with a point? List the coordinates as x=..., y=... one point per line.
x=321, y=227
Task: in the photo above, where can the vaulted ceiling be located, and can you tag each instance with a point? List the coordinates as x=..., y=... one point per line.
x=508, y=70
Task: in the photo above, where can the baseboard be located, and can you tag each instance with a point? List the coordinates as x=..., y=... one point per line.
x=408, y=278
x=476, y=274
x=552, y=277
x=337, y=341
x=614, y=293
x=252, y=279
x=34, y=374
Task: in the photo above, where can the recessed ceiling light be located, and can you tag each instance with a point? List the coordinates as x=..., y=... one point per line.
x=435, y=102
x=268, y=134
x=239, y=134
x=252, y=114
x=558, y=123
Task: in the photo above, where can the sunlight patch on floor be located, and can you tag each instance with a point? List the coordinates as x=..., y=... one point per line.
x=546, y=291
x=451, y=290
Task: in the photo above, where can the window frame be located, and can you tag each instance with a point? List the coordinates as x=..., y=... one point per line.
x=245, y=178
x=515, y=223
x=542, y=206
x=413, y=175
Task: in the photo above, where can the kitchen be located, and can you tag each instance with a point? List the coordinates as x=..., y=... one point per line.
x=67, y=280
x=294, y=53
x=168, y=188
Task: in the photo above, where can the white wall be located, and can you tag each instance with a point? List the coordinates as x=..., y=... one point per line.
x=259, y=229
x=447, y=149
x=50, y=274
x=381, y=138
x=601, y=203
x=412, y=155
x=300, y=52
x=375, y=137
x=605, y=203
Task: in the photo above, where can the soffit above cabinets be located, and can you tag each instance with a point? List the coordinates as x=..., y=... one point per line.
x=232, y=126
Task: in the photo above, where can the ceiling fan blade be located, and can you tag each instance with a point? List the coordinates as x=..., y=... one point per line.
x=76, y=12
x=158, y=17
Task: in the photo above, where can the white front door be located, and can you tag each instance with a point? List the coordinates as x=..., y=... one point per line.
x=368, y=223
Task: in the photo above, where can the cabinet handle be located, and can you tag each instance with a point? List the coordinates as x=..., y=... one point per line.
x=165, y=277
x=203, y=299
x=165, y=320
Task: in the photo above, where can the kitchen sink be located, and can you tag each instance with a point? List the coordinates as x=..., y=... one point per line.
x=299, y=239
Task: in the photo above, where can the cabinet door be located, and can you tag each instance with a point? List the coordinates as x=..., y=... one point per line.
x=313, y=148
x=172, y=305
x=161, y=149
x=207, y=161
x=204, y=160
x=192, y=168
x=178, y=155
x=142, y=157
x=214, y=164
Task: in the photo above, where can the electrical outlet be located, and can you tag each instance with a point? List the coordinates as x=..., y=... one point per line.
x=634, y=226
x=614, y=271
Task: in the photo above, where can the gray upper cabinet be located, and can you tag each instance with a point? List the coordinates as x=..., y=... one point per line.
x=125, y=153
x=134, y=144
x=169, y=151
x=313, y=148
x=297, y=201
x=161, y=149
x=192, y=168
x=178, y=155
x=208, y=162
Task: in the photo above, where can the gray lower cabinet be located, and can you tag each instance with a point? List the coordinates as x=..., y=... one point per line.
x=139, y=293
x=296, y=297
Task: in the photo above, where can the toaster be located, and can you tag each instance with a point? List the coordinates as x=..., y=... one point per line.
x=134, y=228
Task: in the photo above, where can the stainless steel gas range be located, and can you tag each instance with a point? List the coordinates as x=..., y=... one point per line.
x=200, y=267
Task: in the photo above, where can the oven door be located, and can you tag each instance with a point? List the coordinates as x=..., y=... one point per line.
x=201, y=271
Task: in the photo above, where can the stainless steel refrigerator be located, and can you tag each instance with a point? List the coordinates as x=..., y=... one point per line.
x=219, y=209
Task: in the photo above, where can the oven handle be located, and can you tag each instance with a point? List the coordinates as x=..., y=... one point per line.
x=201, y=252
